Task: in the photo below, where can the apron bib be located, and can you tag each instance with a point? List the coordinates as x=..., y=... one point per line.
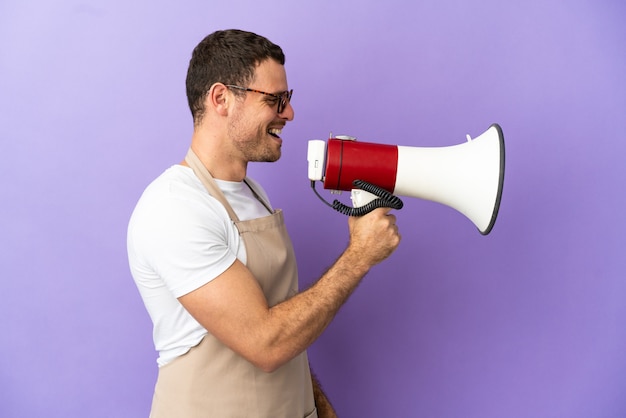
x=211, y=380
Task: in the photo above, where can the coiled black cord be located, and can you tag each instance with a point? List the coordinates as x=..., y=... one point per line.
x=385, y=200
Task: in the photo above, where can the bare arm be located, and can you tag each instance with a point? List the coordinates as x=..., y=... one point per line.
x=233, y=308
x=323, y=405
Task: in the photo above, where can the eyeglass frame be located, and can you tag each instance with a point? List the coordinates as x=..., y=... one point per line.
x=283, y=98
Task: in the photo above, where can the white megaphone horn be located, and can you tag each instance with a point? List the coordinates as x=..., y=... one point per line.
x=467, y=177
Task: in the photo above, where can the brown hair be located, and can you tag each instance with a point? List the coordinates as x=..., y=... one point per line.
x=229, y=57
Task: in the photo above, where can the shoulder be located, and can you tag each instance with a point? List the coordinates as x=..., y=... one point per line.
x=180, y=233
x=177, y=182
x=175, y=207
x=177, y=191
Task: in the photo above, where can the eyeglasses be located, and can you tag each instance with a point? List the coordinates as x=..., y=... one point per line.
x=282, y=98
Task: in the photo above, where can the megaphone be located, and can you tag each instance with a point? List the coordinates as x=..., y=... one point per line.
x=467, y=177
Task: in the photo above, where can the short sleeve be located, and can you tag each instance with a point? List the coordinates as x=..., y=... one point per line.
x=183, y=239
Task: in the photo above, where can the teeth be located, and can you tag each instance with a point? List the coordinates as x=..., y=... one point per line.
x=275, y=131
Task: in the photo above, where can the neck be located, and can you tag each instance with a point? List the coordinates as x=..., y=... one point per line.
x=220, y=163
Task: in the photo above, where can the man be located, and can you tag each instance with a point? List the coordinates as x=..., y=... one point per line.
x=212, y=259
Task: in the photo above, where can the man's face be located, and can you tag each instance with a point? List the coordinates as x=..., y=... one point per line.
x=255, y=126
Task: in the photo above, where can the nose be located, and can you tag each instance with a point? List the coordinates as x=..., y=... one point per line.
x=287, y=113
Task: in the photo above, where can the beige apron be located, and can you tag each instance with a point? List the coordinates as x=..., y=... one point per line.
x=211, y=380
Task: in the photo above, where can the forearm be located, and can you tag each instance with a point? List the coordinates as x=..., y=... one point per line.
x=299, y=321
x=296, y=323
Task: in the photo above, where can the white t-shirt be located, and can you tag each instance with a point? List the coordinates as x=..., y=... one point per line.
x=179, y=239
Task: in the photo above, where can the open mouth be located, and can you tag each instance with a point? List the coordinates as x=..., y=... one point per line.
x=275, y=132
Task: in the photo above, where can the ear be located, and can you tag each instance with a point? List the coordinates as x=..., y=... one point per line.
x=219, y=98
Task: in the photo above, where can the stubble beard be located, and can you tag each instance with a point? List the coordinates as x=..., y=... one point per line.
x=256, y=147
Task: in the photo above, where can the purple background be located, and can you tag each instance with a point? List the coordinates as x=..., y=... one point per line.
x=526, y=322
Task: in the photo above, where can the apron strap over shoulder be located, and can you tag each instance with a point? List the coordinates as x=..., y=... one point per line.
x=207, y=180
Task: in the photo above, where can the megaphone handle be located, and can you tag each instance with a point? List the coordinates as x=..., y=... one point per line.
x=382, y=199
x=361, y=198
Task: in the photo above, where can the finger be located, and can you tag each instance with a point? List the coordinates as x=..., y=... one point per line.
x=384, y=210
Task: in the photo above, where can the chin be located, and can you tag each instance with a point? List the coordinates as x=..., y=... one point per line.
x=273, y=158
x=269, y=157
x=275, y=155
